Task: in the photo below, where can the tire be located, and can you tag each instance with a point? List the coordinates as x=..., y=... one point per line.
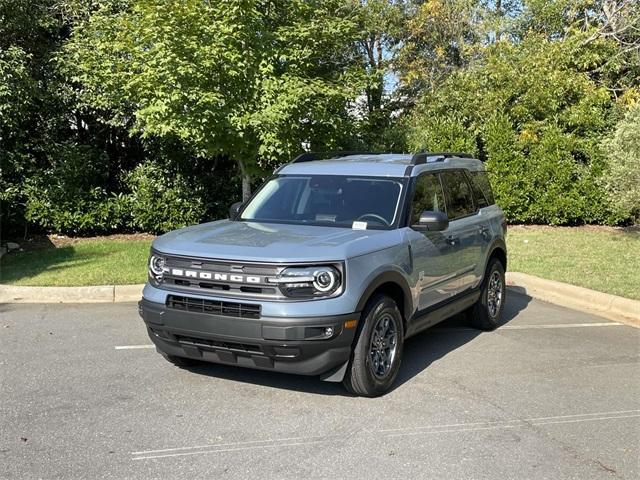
x=375, y=363
x=181, y=362
x=486, y=313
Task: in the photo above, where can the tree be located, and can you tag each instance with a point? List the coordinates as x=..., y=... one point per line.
x=30, y=116
x=44, y=132
x=254, y=80
x=441, y=36
x=592, y=24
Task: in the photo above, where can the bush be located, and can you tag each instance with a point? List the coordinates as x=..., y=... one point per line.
x=622, y=178
x=162, y=200
x=538, y=132
x=70, y=197
x=538, y=175
x=82, y=192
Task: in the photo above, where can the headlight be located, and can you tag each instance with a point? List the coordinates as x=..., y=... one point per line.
x=298, y=282
x=156, y=268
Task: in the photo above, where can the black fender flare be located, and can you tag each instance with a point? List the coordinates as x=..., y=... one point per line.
x=389, y=276
x=497, y=244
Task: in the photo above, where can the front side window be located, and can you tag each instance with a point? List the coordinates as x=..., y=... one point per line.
x=428, y=195
x=331, y=200
x=459, y=195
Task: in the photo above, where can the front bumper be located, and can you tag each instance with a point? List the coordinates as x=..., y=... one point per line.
x=291, y=345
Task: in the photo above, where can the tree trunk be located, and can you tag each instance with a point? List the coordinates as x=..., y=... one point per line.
x=246, y=181
x=246, y=187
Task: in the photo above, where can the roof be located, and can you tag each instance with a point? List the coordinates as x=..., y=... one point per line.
x=376, y=165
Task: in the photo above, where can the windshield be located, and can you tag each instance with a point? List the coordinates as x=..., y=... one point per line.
x=331, y=200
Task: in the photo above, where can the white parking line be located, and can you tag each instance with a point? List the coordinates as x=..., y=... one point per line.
x=512, y=424
x=133, y=347
x=389, y=433
x=529, y=420
x=235, y=444
x=560, y=325
x=530, y=327
x=456, y=329
x=239, y=449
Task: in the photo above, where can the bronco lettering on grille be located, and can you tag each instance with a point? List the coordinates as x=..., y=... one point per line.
x=221, y=277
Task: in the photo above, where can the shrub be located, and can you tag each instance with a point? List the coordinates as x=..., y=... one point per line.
x=162, y=200
x=71, y=197
x=622, y=178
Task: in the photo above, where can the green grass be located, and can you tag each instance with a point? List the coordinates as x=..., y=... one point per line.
x=601, y=259
x=606, y=260
x=85, y=262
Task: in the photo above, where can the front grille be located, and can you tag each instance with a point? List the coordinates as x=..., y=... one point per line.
x=214, y=307
x=211, y=276
x=215, y=344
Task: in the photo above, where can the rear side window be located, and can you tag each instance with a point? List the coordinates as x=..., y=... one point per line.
x=428, y=195
x=459, y=194
x=482, y=189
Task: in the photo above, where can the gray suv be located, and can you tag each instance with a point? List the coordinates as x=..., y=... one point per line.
x=331, y=266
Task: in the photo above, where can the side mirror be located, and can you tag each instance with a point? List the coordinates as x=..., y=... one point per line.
x=431, y=222
x=234, y=210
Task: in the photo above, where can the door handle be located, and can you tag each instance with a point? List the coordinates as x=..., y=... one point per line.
x=453, y=241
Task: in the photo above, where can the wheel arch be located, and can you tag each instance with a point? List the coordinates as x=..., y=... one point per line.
x=394, y=285
x=497, y=250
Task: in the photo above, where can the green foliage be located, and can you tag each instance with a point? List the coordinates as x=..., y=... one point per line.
x=16, y=87
x=441, y=134
x=440, y=37
x=162, y=200
x=251, y=79
x=538, y=131
x=115, y=111
x=70, y=196
x=622, y=179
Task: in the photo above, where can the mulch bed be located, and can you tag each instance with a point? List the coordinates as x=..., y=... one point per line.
x=44, y=242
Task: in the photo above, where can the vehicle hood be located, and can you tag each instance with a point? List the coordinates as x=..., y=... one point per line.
x=271, y=242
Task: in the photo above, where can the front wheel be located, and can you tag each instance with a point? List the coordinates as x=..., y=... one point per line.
x=486, y=313
x=377, y=354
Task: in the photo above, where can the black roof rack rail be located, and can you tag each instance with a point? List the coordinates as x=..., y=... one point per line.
x=423, y=157
x=311, y=156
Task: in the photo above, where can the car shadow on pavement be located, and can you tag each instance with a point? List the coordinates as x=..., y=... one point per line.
x=420, y=352
x=264, y=378
x=433, y=344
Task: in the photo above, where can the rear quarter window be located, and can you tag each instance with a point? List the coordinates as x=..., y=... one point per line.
x=481, y=188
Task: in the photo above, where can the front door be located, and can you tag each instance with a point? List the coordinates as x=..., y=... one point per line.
x=433, y=267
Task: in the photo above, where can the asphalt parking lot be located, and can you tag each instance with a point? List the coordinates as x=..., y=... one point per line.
x=551, y=394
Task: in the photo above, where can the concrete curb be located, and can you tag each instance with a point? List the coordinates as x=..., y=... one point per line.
x=613, y=307
x=98, y=294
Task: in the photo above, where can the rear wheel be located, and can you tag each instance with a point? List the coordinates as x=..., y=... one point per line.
x=486, y=313
x=376, y=357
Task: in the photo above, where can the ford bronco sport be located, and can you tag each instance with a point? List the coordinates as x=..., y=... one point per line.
x=331, y=266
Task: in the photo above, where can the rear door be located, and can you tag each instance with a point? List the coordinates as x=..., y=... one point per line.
x=463, y=234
